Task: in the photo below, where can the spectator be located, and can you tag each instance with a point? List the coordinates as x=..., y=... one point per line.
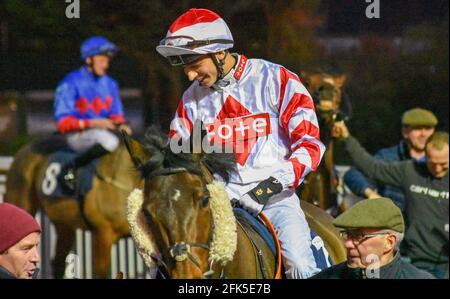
x=373, y=230
x=19, y=239
x=417, y=125
x=426, y=193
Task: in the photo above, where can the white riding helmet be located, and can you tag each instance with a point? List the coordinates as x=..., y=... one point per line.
x=196, y=32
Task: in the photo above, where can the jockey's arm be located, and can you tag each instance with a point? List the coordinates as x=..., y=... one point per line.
x=297, y=118
x=117, y=113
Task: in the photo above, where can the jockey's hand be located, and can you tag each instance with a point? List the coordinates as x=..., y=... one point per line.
x=126, y=128
x=255, y=200
x=102, y=123
x=340, y=130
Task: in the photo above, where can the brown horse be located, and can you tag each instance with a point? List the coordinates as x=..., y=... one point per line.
x=319, y=187
x=181, y=202
x=103, y=206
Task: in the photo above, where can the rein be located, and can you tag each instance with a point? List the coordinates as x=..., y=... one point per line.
x=324, y=99
x=181, y=251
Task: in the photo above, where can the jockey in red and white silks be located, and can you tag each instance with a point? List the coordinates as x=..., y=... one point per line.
x=268, y=116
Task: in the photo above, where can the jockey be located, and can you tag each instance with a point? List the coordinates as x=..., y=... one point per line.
x=264, y=112
x=87, y=105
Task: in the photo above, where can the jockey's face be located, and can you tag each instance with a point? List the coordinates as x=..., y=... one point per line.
x=22, y=258
x=98, y=64
x=366, y=247
x=203, y=70
x=417, y=137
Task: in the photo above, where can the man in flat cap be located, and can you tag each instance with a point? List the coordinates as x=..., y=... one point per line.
x=372, y=230
x=417, y=125
x=19, y=239
x=425, y=185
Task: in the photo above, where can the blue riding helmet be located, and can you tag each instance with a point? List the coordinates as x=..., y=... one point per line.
x=97, y=45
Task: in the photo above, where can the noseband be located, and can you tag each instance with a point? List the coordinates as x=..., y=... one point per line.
x=180, y=251
x=324, y=111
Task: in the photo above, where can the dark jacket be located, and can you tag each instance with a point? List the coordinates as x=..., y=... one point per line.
x=5, y=274
x=397, y=269
x=358, y=182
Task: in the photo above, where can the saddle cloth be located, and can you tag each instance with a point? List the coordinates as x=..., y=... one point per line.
x=321, y=256
x=50, y=186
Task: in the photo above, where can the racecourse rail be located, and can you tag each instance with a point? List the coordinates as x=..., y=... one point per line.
x=124, y=257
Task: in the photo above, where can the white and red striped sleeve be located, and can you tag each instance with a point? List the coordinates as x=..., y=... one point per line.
x=297, y=117
x=182, y=124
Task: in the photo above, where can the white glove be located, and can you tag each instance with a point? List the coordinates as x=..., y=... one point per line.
x=255, y=200
x=250, y=205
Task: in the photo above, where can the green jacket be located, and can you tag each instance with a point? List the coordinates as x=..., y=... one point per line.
x=427, y=203
x=397, y=269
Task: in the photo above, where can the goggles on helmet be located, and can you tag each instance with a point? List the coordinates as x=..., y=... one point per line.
x=180, y=60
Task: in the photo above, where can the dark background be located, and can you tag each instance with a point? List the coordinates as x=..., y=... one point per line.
x=393, y=63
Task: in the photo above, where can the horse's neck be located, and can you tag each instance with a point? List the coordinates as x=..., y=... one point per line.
x=325, y=132
x=118, y=166
x=328, y=156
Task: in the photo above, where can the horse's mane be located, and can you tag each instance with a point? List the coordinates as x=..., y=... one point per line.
x=162, y=157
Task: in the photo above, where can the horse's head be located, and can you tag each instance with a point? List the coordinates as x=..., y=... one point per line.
x=326, y=91
x=177, y=202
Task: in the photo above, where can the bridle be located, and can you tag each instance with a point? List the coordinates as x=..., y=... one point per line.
x=324, y=111
x=181, y=251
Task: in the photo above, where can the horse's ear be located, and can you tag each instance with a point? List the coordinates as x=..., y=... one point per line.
x=340, y=80
x=138, y=153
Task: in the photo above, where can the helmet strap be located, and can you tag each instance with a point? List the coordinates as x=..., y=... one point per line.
x=219, y=63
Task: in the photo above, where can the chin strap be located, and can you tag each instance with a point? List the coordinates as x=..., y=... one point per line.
x=219, y=63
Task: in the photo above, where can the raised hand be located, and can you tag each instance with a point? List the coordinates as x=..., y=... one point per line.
x=340, y=130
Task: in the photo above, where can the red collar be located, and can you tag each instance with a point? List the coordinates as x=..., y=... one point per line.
x=240, y=67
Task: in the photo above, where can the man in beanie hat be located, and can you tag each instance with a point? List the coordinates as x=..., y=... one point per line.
x=372, y=230
x=19, y=238
x=426, y=188
x=417, y=125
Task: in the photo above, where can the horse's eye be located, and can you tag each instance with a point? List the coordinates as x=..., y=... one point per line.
x=204, y=201
x=321, y=88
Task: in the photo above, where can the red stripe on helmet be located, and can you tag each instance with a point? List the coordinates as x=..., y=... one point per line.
x=193, y=16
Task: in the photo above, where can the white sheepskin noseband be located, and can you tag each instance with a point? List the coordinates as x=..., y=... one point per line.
x=224, y=240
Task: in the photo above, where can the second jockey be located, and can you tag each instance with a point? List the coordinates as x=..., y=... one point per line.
x=264, y=111
x=88, y=107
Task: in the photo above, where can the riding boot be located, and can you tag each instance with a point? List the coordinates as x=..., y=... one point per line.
x=68, y=174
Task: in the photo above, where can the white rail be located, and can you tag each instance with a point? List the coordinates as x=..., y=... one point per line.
x=124, y=257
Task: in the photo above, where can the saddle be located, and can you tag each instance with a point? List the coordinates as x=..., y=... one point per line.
x=50, y=186
x=261, y=226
